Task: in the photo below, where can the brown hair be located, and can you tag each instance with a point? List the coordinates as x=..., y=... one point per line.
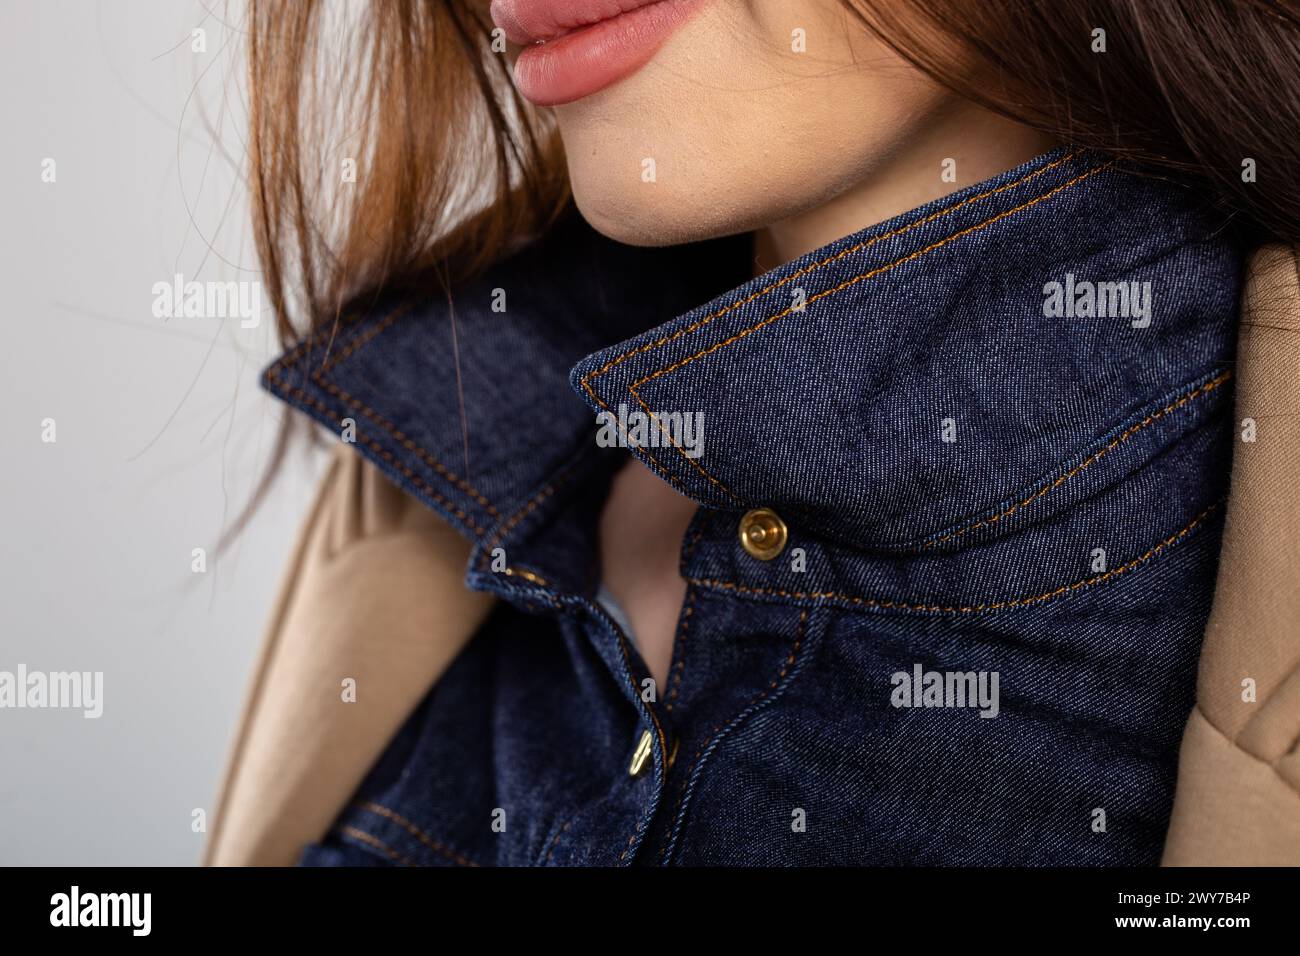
x=1195, y=88
x=456, y=168
x=454, y=164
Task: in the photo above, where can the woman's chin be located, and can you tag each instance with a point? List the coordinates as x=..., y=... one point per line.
x=656, y=220
x=665, y=214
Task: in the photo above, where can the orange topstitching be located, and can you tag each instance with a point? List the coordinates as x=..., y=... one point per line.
x=772, y=686
x=835, y=597
x=835, y=290
x=866, y=243
x=411, y=828
x=1124, y=436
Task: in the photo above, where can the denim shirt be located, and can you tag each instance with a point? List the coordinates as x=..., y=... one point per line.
x=992, y=436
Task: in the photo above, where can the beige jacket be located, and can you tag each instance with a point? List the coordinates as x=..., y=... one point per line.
x=374, y=593
x=1238, y=796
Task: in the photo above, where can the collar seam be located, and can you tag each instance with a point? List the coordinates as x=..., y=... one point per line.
x=1185, y=398
x=835, y=290
x=318, y=377
x=818, y=598
x=816, y=266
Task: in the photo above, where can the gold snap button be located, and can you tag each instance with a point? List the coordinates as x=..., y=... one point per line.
x=763, y=534
x=641, y=755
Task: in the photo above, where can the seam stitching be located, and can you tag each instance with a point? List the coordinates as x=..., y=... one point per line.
x=835, y=290
x=301, y=395
x=659, y=734
x=679, y=668
x=1092, y=459
x=288, y=361
x=407, y=443
x=668, y=434
x=379, y=810
x=714, y=733
x=836, y=597
x=679, y=658
x=806, y=270
x=364, y=338
x=330, y=333
x=550, y=854
x=654, y=464
x=509, y=525
x=375, y=843
x=531, y=576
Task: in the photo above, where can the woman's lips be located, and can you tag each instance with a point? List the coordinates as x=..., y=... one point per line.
x=575, y=47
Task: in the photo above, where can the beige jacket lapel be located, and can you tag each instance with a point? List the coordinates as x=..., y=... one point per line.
x=373, y=593
x=1238, y=796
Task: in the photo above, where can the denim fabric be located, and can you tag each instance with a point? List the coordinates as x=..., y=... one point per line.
x=951, y=461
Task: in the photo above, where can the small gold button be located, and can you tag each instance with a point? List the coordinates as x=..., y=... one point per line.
x=644, y=748
x=642, y=755
x=763, y=534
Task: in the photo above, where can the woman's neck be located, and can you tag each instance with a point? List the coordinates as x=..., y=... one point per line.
x=966, y=146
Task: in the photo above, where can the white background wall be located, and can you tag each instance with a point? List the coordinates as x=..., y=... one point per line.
x=161, y=428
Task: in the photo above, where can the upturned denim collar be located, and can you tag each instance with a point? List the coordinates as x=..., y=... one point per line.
x=818, y=382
